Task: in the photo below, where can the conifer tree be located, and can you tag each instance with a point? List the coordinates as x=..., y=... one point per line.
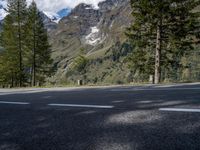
x=18, y=12
x=24, y=46
x=9, y=55
x=163, y=28
x=39, y=48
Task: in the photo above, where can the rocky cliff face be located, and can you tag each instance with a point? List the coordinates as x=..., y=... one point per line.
x=95, y=30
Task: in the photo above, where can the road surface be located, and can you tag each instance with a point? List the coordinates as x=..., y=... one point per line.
x=101, y=118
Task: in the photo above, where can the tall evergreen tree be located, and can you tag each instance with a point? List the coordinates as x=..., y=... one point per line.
x=24, y=46
x=9, y=54
x=163, y=28
x=39, y=48
x=18, y=11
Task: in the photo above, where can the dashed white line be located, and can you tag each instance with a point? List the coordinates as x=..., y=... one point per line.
x=83, y=106
x=14, y=103
x=180, y=110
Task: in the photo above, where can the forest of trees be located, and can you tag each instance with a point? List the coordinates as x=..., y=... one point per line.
x=24, y=49
x=166, y=37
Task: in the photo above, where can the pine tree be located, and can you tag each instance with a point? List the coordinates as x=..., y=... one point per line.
x=18, y=11
x=24, y=46
x=39, y=48
x=165, y=29
x=9, y=55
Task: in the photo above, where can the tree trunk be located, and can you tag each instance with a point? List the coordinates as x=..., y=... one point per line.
x=12, y=80
x=33, y=75
x=19, y=46
x=34, y=55
x=158, y=54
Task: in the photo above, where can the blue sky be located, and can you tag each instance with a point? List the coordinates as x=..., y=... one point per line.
x=56, y=5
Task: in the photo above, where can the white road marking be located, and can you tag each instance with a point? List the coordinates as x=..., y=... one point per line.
x=152, y=89
x=180, y=110
x=86, y=106
x=144, y=102
x=14, y=103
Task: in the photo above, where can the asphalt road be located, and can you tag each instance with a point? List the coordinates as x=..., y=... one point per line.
x=106, y=118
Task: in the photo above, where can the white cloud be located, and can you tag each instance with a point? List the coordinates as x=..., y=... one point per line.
x=56, y=5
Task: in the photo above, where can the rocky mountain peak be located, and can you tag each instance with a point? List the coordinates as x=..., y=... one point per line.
x=111, y=4
x=84, y=12
x=91, y=28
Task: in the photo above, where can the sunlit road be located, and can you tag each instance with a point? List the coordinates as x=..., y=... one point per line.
x=105, y=118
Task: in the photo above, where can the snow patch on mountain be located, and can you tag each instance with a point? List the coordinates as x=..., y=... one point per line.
x=3, y=14
x=56, y=17
x=89, y=7
x=93, y=38
x=52, y=16
x=3, y=5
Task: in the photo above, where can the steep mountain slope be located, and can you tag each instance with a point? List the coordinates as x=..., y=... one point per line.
x=96, y=31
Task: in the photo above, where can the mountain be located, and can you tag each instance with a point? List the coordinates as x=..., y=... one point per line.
x=3, y=12
x=52, y=19
x=100, y=32
x=56, y=17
